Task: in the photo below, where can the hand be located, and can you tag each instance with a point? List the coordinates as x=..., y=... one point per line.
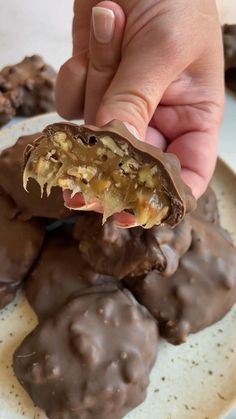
x=155, y=65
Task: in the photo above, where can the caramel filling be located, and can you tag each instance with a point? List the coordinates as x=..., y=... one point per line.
x=101, y=169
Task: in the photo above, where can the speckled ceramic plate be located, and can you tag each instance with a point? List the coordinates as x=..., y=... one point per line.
x=194, y=381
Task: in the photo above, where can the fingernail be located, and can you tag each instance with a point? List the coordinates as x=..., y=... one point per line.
x=132, y=130
x=103, y=24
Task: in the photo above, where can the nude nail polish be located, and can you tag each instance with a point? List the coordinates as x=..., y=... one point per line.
x=103, y=21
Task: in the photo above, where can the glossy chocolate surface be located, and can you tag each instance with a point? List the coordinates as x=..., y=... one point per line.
x=20, y=244
x=92, y=359
x=202, y=290
x=122, y=252
x=207, y=208
x=26, y=88
x=59, y=273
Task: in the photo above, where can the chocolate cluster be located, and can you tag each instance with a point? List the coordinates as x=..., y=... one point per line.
x=59, y=272
x=201, y=291
x=20, y=244
x=92, y=358
x=26, y=89
x=131, y=252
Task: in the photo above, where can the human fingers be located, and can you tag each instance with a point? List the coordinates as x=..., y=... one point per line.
x=71, y=79
x=70, y=87
x=197, y=152
x=81, y=24
x=139, y=83
x=77, y=202
x=107, y=27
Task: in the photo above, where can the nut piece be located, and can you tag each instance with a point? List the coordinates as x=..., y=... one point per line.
x=146, y=176
x=130, y=165
x=45, y=168
x=110, y=143
x=60, y=138
x=66, y=183
x=83, y=172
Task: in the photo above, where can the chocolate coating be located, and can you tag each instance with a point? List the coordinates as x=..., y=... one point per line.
x=29, y=203
x=122, y=252
x=202, y=290
x=174, y=243
x=6, y=110
x=92, y=359
x=171, y=187
x=229, y=40
x=207, y=208
x=26, y=88
x=59, y=272
x=20, y=243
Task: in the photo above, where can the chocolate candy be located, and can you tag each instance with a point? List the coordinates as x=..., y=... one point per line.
x=120, y=252
x=59, y=272
x=229, y=39
x=26, y=88
x=6, y=110
x=207, y=209
x=20, y=243
x=111, y=165
x=174, y=243
x=92, y=359
x=202, y=290
x=29, y=204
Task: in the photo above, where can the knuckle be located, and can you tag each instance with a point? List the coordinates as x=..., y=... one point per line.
x=135, y=104
x=102, y=67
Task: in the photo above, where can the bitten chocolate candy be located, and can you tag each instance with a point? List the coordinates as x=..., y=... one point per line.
x=229, y=39
x=20, y=243
x=59, y=272
x=92, y=359
x=202, y=290
x=29, y=203
x=120, y=252
x=26, y=88
x=111, y=165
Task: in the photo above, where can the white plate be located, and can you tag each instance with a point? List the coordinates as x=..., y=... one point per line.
x=194, y=381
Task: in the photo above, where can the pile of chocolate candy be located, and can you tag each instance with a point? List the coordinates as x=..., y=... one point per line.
x=103, y=294
x=26, y=88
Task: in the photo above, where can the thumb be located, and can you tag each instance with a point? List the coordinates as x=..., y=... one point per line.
x=146, y=69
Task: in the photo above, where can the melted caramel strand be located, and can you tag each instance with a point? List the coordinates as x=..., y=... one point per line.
x=103, y=170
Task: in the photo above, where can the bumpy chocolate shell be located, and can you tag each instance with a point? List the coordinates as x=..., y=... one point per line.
x=59, y=273
x=92, y=359
x=202, y=290
x=20, y=244
x=26, y=88
x=134, y=252
x=207, y=207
